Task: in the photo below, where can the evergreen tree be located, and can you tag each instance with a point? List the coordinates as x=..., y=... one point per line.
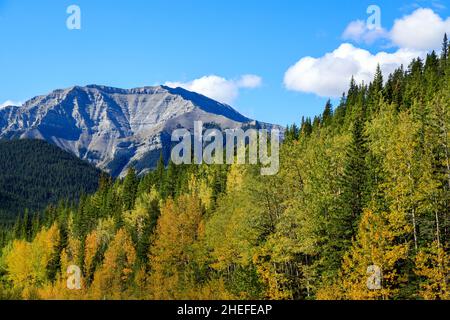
x=378, y=80
x=445, y=49
x=160, y=174
x=327, y=113
x=170, y=184
x=130, y=185
x=354, y=182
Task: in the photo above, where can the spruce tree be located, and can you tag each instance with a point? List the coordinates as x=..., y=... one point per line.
x=327, y=113
x=354, y=181
x=160, y=174
x=170, y=182
x=444, y=55
x=306, y=128
x=130, y=185
x=445, y=48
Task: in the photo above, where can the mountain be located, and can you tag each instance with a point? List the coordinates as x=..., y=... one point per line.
x=116, y=128
x=34, y=174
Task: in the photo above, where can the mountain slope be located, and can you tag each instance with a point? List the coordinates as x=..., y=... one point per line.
x=116, y=128
x=34, y=173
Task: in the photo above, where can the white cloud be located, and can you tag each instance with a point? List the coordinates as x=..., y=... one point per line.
x=218, y=88
x=329, y=76
x=249, y=81
x=9, y=103
x=421, y=30
x=359, y=32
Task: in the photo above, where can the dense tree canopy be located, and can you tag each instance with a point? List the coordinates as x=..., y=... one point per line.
x=34, y=174
x=359, y=210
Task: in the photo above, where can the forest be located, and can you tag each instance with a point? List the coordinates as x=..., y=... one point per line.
x=34, y=174
x=364, y=186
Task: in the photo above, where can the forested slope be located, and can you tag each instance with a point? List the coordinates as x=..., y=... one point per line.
x=365, y=186
x=34, y=174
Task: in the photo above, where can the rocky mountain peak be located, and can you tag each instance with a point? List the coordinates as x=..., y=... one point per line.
x=116, y=128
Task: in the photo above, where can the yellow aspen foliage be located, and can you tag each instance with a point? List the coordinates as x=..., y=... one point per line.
x=27, y=262
x=329, y=292
x=135, y=219
x=105, y=230
x=275, y=282
x=17, y=263
x=213, y=290
x=433, y=266
x=60, y=291
x=233, y=230
x=200, y=187
x=410, y=185
x=91, y=247
x=114, y=277
x=235, y=178
x=72, y=254
x=230, y=234
x=140, y=284
x=172, y=250
x=379, y=245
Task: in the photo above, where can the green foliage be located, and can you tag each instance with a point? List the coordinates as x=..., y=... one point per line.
x=364, y=184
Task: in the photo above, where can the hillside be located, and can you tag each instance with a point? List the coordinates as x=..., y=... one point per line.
x=34, y=174
x=359, y=210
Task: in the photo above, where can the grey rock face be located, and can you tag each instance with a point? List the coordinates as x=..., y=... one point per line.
x=116, y=128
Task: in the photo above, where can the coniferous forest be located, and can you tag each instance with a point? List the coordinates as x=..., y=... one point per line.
x=34, y=174
x=364, y=186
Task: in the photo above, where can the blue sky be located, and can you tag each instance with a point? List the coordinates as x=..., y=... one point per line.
x=136, y=43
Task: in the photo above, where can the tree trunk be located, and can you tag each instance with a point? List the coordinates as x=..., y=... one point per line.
x=414, y=228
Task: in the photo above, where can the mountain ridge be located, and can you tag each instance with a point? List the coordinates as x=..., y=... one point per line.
x=116, y=128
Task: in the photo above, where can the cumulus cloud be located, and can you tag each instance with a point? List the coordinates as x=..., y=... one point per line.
x=329, y=76
x=249, y=81
x=421, y=30
x=9, y=103
x=219, y=88
x=359, y=32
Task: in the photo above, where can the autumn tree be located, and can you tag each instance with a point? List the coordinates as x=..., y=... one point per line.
x=115, y=276
x=172, y=264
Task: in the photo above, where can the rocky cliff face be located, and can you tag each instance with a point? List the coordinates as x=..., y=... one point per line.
x=116, y=128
